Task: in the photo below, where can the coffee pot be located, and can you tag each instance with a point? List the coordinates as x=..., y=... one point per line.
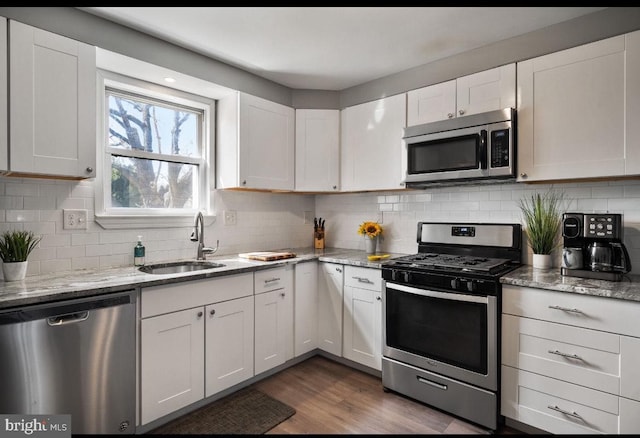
x=606, y=256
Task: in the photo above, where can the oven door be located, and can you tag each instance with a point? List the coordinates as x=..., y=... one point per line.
x=447, y=333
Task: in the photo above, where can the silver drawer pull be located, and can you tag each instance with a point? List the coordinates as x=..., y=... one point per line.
x=363, y=280
x=429, y=382
x=573, y=414
x=271, y=280
x=570, y=356
x=566, y=309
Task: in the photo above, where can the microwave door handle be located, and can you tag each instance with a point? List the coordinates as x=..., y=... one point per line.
x=483, y=149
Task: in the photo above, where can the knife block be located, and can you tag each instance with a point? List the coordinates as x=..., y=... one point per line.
x=318, y=239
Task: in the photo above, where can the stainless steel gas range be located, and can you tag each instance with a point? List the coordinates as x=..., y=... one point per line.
x=441, y=317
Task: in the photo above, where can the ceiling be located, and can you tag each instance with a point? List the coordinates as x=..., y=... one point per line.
x=334, y=48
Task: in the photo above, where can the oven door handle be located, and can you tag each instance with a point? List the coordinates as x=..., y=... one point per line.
x=434, y=384
x=436, y=294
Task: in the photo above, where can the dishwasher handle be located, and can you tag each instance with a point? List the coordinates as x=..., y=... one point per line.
x=69, y=318
x=61, y=312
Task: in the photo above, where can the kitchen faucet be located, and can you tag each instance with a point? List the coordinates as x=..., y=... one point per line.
x=198, y=236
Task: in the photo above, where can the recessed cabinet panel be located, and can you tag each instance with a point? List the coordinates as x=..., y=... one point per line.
x=255, y=143
x=372, y=151
x=229, y=344
x=305, y=308
x=428, y=104
x=330, y=303
x=4, y=102
x=571, y=114
x=317, y=150
x=52, y=103
x=172, y=362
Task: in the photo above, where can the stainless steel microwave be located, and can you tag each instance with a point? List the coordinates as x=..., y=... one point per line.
x=477, y=147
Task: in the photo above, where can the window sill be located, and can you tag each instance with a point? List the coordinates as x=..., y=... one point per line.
x=122, y=222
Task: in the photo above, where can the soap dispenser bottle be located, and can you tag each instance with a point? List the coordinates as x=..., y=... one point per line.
x=138, y=253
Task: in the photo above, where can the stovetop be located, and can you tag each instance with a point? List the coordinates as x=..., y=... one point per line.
x=450, y=262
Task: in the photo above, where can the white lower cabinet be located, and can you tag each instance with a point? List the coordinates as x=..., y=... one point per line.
x=229, y=344
x=570, y=361
x=273, y=317
x=362, y=335
x=330, y=303
x=171, y=362
x=183, y=347
x=305, y=324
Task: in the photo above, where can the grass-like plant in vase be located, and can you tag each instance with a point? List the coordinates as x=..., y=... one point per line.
x=542, y=219
x=15, y=248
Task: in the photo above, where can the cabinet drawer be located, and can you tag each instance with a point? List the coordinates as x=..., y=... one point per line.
x=606, y=314
x=157, y=300
x=270, y=279
x=581, y=356
x=556, y=406
x=363, y=278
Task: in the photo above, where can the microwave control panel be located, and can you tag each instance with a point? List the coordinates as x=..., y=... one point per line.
x=500, y=148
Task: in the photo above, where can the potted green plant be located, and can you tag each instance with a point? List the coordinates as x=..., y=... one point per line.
x=15, y=247
x=542, y=219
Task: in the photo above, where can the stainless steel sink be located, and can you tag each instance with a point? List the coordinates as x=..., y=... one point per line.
x=178, y=267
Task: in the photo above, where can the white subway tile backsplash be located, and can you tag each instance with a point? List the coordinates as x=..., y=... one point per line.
x=268, y=221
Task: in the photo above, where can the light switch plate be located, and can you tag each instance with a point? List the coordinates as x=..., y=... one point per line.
x=307, y=217
x=74, y=219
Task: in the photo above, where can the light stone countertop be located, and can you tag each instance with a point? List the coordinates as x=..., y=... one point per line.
x=627, y=289
x=90, y=282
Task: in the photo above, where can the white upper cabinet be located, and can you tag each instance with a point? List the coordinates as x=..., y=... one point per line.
x=52, y=104
x=255, y=147
x=317, y=150
x=4, y=102
x=480, y=92
x=372, y=150
x=578, y=111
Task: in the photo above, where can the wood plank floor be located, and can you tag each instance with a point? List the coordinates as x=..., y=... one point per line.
x=331, y=398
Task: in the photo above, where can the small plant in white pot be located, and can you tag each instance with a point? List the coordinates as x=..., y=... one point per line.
x=15, y=247
x=542, y=220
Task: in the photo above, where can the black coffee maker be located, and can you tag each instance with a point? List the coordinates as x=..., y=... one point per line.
x=593, y=246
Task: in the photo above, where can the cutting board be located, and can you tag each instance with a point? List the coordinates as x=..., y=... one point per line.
x=267, y=256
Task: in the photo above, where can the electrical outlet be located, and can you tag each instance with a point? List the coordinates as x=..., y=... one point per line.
x=307, y=217
x=230, y=217
x=74, y=219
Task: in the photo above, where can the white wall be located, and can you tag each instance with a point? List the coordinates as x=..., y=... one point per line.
x=270, y=221
x=401, y=211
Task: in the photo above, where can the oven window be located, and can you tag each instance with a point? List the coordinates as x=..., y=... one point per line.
x=449, y=331
x=448, y=154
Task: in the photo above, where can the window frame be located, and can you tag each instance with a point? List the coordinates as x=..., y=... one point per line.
x=119, y=217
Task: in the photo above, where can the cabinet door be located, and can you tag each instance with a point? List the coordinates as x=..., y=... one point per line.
x=273, y=323
x=305, y=308
x=267, y=144
x=571, y=113
x=52, y=103
x=487, y=90
x=632, y=113
x=362, y=326
x=171, y=362
x=330, y=280
x=372, y=148
x=432, y=103
x=317, y=150
x=4, y=102
x=229, y=344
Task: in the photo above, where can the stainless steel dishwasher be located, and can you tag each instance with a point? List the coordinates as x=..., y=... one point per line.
x=72, y=357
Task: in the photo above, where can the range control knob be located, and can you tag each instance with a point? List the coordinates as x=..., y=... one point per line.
x=471, y=286
x=455, y=283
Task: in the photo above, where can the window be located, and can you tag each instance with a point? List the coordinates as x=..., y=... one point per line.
x=155, y=160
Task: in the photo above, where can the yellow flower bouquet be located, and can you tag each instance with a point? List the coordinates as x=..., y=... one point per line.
x=370, y=229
